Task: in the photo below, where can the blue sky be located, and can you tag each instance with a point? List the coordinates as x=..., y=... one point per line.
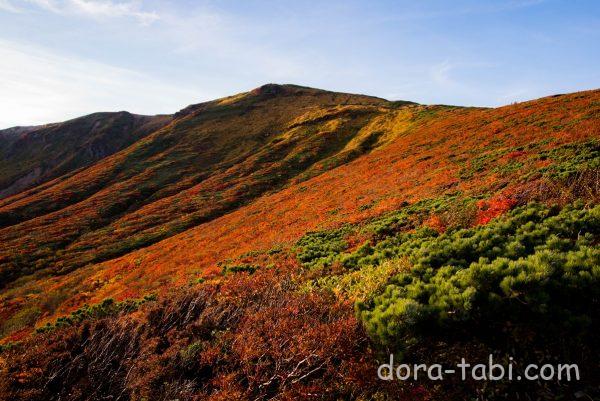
x=64, y=58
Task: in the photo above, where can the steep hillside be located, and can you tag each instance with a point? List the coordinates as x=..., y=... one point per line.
x=211, y=159
x=30, y=156
x=253, y=210
x=215, y=158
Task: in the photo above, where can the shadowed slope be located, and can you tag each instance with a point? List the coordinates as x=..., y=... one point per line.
x=33, y=155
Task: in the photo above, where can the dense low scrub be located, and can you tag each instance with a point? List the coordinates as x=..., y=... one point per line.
x=537, y=270
x=526, y=285
x=107, y=307
x=526, y=282
x=253, y=337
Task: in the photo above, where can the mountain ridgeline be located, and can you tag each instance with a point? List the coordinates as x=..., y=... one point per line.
x=207, y=160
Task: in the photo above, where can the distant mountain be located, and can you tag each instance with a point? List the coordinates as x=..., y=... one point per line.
x=30, y=156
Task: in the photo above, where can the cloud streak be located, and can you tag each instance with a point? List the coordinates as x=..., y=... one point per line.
x=6, y=5
x=112, y=9
x=91, y=8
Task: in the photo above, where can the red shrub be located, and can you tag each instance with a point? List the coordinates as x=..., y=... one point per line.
x=489, y=209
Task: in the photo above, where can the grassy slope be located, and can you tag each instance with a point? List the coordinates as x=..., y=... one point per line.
x=241, y=199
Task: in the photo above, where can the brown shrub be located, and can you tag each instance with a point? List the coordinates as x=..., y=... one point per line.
x=251, y=337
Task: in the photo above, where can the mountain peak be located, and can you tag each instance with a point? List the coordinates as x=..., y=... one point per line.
x=272, y=89
x=269, y=89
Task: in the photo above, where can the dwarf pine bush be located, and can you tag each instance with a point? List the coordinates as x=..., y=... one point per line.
x=322, y=247
x=108, y=307
x=536, y=269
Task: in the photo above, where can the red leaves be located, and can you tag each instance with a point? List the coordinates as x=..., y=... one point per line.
x=286, y=345
x=516, y=154
x=437, y=223
x=251, y=337
x=492, y=208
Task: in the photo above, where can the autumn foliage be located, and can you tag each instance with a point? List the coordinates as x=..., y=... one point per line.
x=252, y=337
x=254, y=248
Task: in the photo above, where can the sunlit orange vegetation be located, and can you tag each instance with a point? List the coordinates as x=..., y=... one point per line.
x=213, y=158
x=258, y=171
x=493, y=208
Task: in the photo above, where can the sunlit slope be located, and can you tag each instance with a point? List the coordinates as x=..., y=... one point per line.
x=392, y=154
x=211, y=159
x=30, y=156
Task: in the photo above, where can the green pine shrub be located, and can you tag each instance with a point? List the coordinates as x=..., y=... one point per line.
x=537, y=270
x=108, y=307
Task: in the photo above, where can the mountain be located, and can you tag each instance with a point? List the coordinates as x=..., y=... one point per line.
x=283, y=195
x=210, y=159
x=33, y=155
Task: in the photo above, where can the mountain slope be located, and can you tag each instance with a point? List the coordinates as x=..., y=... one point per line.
x=210, y=159
x=279, y=243
x=258, y=170
x=33, y=155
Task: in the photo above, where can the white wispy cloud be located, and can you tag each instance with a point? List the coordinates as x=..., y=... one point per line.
x=38, y=86
x=6, y=5
x=114, y=9
x=91, y=8
x=440, y=74
x=232, y=41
